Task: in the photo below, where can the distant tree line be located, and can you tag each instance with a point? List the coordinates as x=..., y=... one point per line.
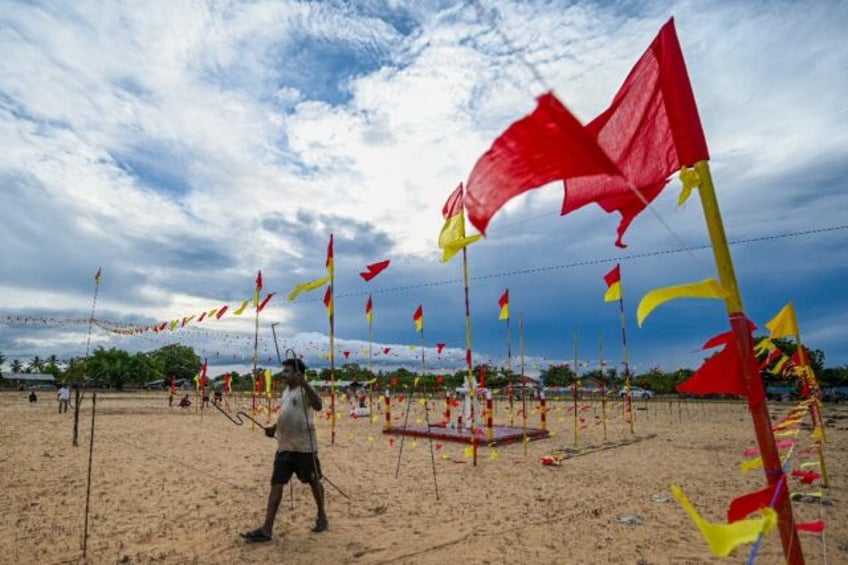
x=115, y=368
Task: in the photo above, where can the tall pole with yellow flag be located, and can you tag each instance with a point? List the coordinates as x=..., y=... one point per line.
x=614, y=292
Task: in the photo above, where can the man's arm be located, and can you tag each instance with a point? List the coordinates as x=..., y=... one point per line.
x=312, y=397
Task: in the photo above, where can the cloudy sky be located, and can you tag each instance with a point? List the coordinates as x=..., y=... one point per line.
x=183, y=146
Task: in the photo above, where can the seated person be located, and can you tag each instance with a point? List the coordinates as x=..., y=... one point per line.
x=185, y=402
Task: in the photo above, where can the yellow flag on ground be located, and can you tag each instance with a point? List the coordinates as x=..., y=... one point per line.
x=784, y=324
x=708, y=288
x=724, y=538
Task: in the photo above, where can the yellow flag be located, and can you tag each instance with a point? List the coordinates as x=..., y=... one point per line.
x=452, y=237
x=724, y=538
x=784, y=324
x=311, y=285
x=708, y=288
x=241, y=308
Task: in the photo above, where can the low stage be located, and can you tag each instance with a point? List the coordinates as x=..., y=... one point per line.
x=501, y=435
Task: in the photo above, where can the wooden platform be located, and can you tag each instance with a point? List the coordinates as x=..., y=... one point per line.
x=501, y=435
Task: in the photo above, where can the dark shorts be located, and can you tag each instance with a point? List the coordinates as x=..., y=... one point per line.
x=306, y=466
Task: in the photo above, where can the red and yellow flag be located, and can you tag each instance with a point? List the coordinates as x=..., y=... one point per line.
x=258, y=289
x=418, y=318
x=318, y=283
x=97, y=276
x=369, y=310
x=613, y=280
x=503, y=302
x=452, y=238
x=328, y=301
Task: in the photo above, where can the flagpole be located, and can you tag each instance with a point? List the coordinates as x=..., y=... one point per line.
x=574, y=393
x=370, y=370
x=757, y=404
x=523, y=384
x=509, y=367
x=78, y=395
x=818, y=423
x=603, y=386
x=472, y=392
x=628, y=400
x=255, y=351
x=332, y=349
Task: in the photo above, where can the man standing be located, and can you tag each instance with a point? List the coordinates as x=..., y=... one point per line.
x=297, y=448
x=64, y=396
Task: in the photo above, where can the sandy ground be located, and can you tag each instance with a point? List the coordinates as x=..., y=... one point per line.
x=172, y=485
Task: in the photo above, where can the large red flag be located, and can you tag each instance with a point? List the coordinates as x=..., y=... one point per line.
x=650, y=130
x=545, y=146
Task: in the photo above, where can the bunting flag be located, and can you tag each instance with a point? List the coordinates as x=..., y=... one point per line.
x=418, y=318
x=784, y=324
x=745, y=505
x=318, y=283
x=503, y=302
x=724, y=538
x=241, y=308
x=374, y=269
x=650, y=131
x=258, y=289
x=720, y=374
x=613, y=280
x=328, y=301
x=708, y=288
x=439, y=348
x=221, y=311
x=369, y=310
x=452, y=238
x=265, y=302
x=97, y=276
x=547, y=145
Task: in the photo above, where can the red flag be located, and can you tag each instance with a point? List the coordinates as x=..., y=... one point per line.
x=720, y=374
x=259, y=280
x=439, y=348
x=202, y=316
x=203, y=376
x=374, y=269
x=346, y=354
x=547, y=145
x=386, y=350
x=816, y=527
x=328, y=300
x=221, y=311
x=740, y=507
x=650, y=130
x=266, y=301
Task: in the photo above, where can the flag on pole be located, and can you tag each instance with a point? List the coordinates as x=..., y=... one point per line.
x=650, y=130
x=369, y=310
x=374, y=269
x=318, y=283
x=268, y=378
x=265, y=301
x=503, y=302
x=258, y=289
x=328, y=301
x=784, y=324
x=452, y=238
x=418, y=318
x=547, y=145
x=97, y=276
x=613, y=280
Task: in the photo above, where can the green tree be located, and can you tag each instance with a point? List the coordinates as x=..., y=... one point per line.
x=36, y=365
x=176, y=360
x=17, y=366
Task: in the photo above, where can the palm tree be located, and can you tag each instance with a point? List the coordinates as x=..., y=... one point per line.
x=36, y=365
x=17, y=366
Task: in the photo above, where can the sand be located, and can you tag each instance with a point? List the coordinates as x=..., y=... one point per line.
x=171, y=485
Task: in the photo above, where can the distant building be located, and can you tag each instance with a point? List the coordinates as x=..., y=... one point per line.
x=26, y=380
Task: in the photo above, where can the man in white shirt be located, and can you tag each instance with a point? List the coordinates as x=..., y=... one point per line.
x=297, y=448
x=64, y=397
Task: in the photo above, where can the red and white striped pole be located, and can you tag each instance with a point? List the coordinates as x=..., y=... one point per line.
x=490, y=432
x=387, y=425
